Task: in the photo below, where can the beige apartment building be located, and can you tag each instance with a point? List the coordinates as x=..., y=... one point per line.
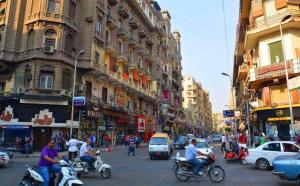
x=197, y=106
x=259, y=68
x=218, y=122
x=121, y=74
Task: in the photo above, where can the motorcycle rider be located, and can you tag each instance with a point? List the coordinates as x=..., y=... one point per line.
x=87, y=153
x=191, y=156
x=47, y=162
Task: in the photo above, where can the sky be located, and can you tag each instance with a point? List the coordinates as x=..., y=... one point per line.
x=204, y=53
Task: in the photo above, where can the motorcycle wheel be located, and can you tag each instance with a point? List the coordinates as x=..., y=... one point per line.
x=105, y=173
x=180, y=176
x=216, y=174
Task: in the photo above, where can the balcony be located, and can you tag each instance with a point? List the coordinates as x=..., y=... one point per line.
x=122, y=33
x=123, y=12
x=258, y=76
x=243, y=72
x=133, y=23
x=164, y=45
x=122, y=57
x=149, y=41
x=112, y=2
x=132, y=43
x=265, y=26
x=110, y=48
x=141, y=50
x=142, y=33
x=111, y=23
x=149, y=58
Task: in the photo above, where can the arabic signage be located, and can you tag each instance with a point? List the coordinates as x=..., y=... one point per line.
x=79, y=101
x=43, y=118
x=228, y=113
x=279, y=119
x=7, y=114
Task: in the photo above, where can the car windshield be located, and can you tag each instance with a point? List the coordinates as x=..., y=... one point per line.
x=158, y=141
x=180, y=139
x=201, y=145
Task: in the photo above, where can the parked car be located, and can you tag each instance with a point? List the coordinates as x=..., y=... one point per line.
x=4, y=159
x=180, y=142
x=263, y=155
x=217, y=138
x=287, y=167
x=8, y=151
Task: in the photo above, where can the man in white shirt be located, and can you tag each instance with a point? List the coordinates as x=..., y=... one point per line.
x=72, y=144
x=223, y=145
x=86, y=153
x=191, y=153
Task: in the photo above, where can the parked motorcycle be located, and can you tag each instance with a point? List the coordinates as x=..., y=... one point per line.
x=233, y=156
x=67, y=176
x=82, y=167
x=183, y=170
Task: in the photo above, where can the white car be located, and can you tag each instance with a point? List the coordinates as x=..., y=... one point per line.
x=4, y=159
x=263, y=156
x=203, y=146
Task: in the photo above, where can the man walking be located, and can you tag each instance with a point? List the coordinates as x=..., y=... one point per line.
x=72, y=144
x=59, y=141
x=223, y=141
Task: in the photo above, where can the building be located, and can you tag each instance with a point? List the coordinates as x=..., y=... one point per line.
x=126, y=44
x=197, y=106
x=218, y=122
x=259, y=68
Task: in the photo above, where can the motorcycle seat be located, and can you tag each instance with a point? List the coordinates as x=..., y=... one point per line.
x=77, y=160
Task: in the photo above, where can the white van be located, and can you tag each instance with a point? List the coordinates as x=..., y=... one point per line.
x=160, y=146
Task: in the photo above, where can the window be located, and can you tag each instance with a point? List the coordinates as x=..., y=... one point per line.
x=287, y=147
x=66, y=80
x=35, y=6
x=97, y=57
x=30, y=40
x=88, y=90
x=46, y=80
x=27, y=78
x=2, y=87
x=276, y=52
x=120, y=46
x=72, y=9
x=99, y=26
x=69, y=43
x=272, y=147
x=50, y=38
x=104, y=94
x=54, y=6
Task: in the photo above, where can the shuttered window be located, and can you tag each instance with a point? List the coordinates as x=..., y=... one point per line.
x=276, y=53
x=30, y=40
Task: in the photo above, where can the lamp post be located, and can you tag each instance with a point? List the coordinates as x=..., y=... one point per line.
x=73, y=91
x=286, y=19
x=232, y=97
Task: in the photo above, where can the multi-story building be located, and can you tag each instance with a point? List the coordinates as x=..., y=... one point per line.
x=120, y=74
x=197, y=106
x=259, y=68
x=218, y=122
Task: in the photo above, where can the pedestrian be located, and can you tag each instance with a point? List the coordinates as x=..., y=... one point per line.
x=243, y=140
x=73, y=149
x=137, y=141
x=59, y=141
x=107, y=140
x=131, y=148
x=127, y=140
x=256, y=140
x=27, y=147
x=262, y=138
x=92, y=139
x=230, y=139
x=223, y=145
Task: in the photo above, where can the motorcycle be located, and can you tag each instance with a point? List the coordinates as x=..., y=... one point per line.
x=183, y=170
x=233, y=156
x=82, y=167
x=67, y=176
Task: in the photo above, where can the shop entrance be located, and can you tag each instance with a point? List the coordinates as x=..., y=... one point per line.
x=283, y=129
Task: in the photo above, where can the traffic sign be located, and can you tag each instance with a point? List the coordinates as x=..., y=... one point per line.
x=228, y=113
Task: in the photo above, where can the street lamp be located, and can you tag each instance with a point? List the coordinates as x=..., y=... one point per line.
x=286, y=19
x=232, y=97
x=73, y=91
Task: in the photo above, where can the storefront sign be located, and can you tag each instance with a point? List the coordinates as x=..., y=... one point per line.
x=43, y=118
x=93, y=111
x=79, y=101
x=141, y=123
x=279, y=119
x=294, y=83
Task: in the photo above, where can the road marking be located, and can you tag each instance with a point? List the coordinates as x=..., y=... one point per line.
x=145, y=157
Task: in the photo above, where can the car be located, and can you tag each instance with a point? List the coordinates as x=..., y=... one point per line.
x=217, y=138
x=8, y=151
x=287, y=167
x=180, y=142
x=160, y=146
x=4, y=159
x=263, y=156
x=203, y=146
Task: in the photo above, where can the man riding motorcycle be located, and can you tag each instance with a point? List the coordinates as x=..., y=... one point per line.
x=48, y=163
x=191, y=156
x=87, y=153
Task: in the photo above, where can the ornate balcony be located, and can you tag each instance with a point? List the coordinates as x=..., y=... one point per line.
x=112, y=2
x=133, y=43
x=243, y=71
x=122, y=57
x=122, y=33
x=110, y=48
x=142, y=33
x=133, y=23
x=149, y=58
x=111, y=23
x=123, y=12
x=149, y=41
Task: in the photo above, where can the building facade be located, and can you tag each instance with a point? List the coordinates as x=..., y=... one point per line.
x=218, y=122
x=197, y=106
x=259, y=68
x=126, y=44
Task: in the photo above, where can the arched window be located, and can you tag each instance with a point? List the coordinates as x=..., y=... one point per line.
x=50, y=38
x=69, y=43
x=30, y=40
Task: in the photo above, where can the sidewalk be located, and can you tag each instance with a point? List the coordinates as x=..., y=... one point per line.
x=65, y=153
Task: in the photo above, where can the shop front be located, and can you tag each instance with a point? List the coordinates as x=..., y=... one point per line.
x=276, y=123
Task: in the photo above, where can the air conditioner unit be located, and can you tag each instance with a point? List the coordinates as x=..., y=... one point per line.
x=49, y=49
x=81, y=88
x=65, y=92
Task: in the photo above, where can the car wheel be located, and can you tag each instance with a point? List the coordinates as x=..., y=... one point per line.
x=262, y=164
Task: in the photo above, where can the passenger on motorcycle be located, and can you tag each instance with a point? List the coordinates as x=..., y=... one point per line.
x=87, y=153
x=47, y=162
x=191, y=156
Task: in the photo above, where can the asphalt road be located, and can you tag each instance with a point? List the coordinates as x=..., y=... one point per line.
x=140, y=170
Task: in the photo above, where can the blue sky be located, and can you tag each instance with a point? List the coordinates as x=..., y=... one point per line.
x=201, y=25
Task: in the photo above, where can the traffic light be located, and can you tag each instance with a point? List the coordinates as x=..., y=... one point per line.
x=82, y=114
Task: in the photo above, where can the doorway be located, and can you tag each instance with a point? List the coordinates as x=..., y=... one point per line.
x=283, y=129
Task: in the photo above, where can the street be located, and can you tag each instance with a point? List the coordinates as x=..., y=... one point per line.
x=140, y=170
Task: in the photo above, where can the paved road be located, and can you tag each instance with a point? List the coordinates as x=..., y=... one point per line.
x=140, y=171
